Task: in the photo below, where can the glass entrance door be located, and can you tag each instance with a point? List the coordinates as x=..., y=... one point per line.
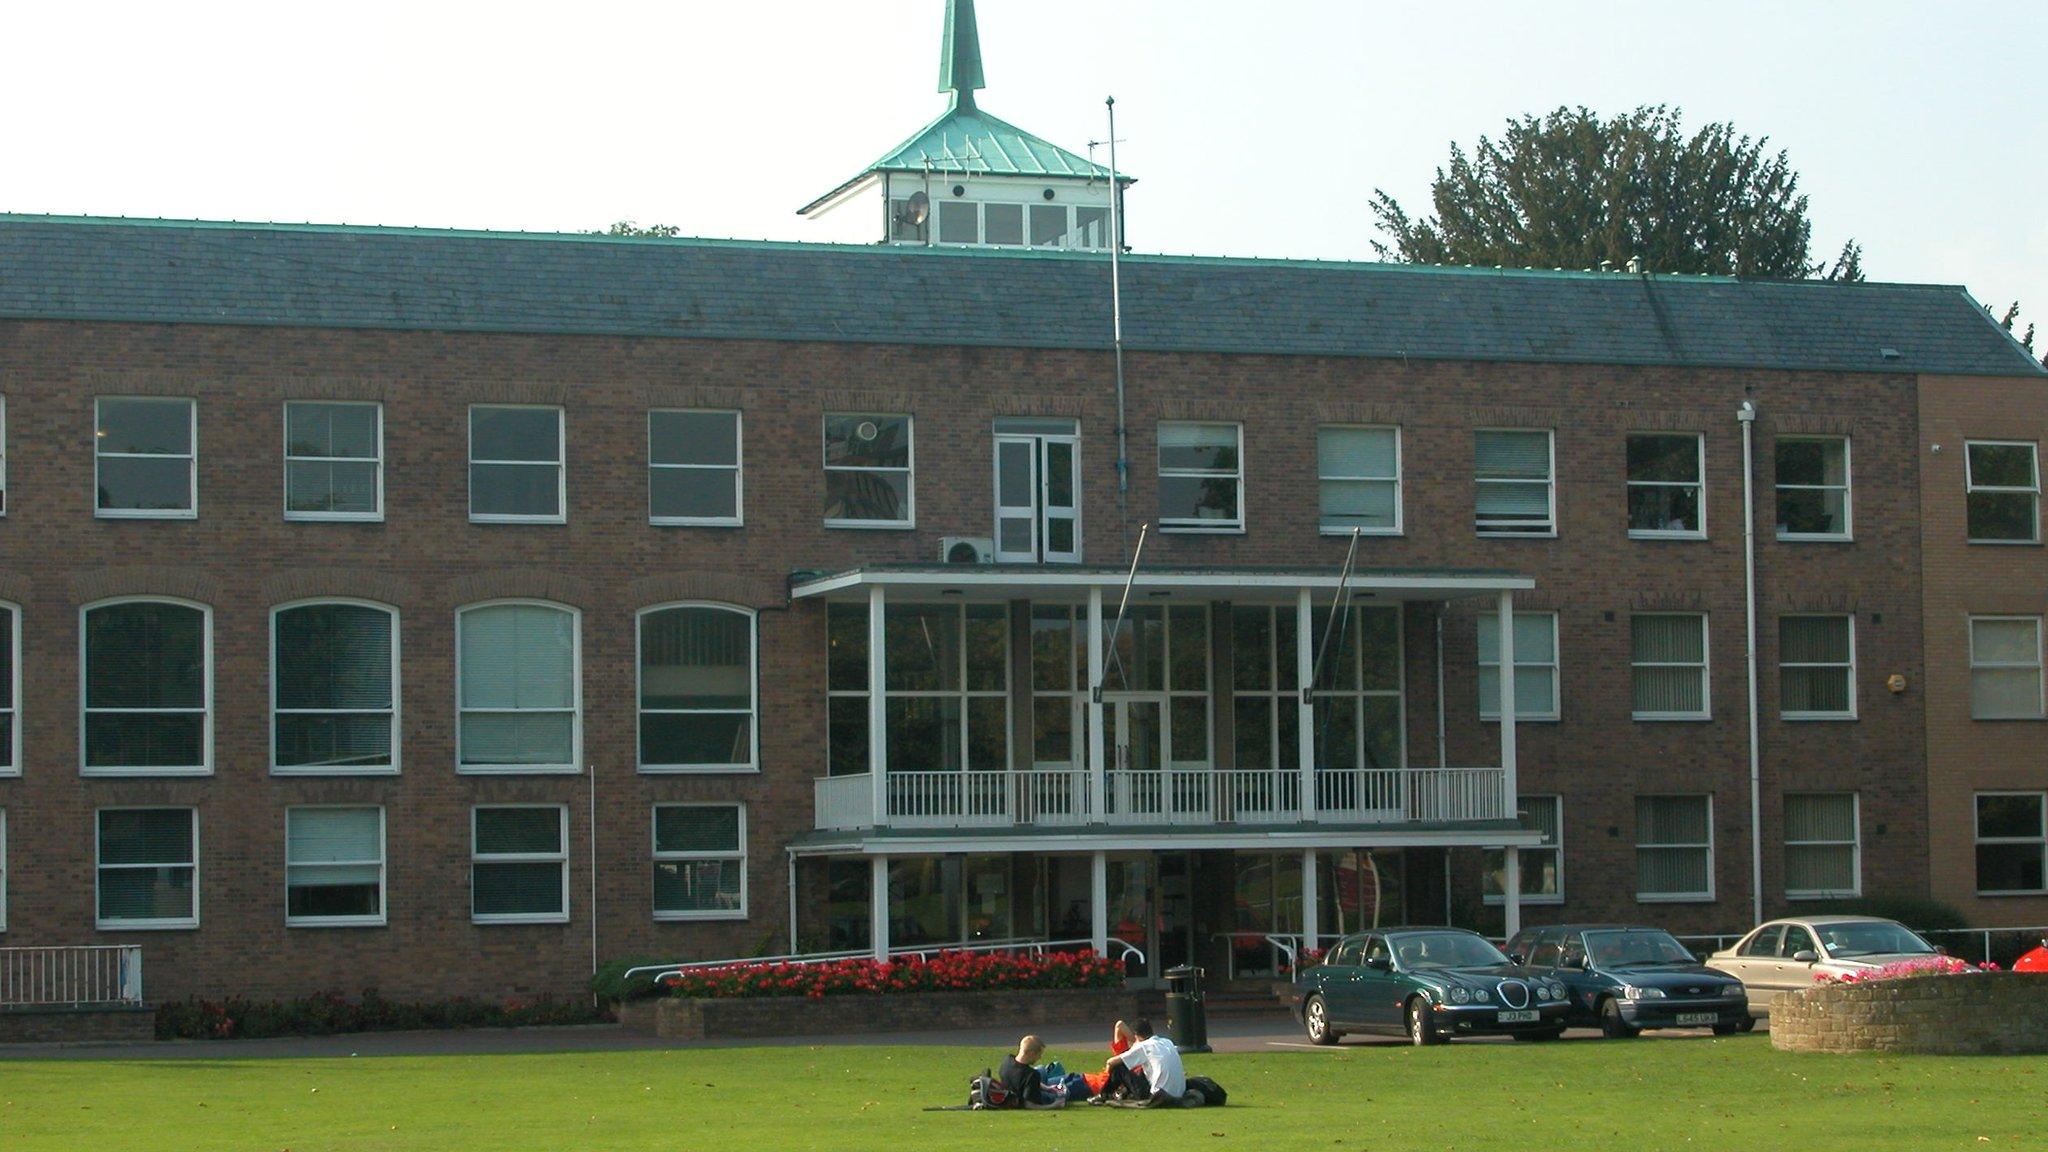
x=1038, y=469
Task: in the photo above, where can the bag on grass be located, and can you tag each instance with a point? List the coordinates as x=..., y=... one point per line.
x=1212, y=1093
x=985, y=1091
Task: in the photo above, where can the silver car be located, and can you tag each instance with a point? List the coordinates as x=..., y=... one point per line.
x=1784, y=955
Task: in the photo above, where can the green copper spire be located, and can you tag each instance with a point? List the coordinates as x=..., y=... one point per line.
x=960, y=54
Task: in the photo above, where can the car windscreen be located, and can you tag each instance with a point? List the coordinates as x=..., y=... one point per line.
x=1627, y=949
x=1445, y=950
x=1869, y=938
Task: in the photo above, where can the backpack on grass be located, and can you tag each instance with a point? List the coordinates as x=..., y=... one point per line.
x=1212, y=1093
x=985, y=1091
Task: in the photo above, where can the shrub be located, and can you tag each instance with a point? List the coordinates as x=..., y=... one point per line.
x=610, y=985
x=328, y=1013
x=945, y=972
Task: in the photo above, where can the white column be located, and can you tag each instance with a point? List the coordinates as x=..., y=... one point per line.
x=1098, y=792
x=1311, y=929
x=1506, y=613
x=1511, y=891
x=1304, y=674
x=878, y=905
x=1098, y=902
x=878, y=709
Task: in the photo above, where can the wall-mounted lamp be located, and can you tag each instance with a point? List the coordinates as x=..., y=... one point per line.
x=1896, y=682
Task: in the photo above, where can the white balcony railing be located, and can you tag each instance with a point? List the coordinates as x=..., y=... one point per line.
x=88, y=974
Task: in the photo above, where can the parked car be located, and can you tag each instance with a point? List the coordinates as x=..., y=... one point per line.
x=1623, y=978
x=1787, y=954
x=2034, y=961
x=1428, y=984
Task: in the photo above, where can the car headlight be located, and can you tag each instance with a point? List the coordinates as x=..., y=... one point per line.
x=1459, y=996
x=1483, y=996
x=1731, y=990
x=1635, y=993
x=1557, y=991
x=1543, y=991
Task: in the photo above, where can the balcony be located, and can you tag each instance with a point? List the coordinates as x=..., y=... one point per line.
x=1179, y=797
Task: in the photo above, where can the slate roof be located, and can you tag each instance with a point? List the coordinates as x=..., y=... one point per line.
x=397, y=278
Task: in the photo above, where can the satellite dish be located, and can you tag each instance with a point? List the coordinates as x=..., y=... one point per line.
x=916, y=210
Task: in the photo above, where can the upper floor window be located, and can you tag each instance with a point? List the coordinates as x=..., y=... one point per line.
x=1038, y=490
x=146, y=458
x=1666, y=486
x=10, y=690
x=2012, y=843
x=2003, y=491
x=1668, y=655
x=998, y=224
x=1201, y=477
x=519, y=687
x=869, y=462
x=1535, y=666
x=146, y=864
x=1516, y=473
x=2005, y=668
x=1543, y=866
x=333, y=867
x=147, y=674
x=1813, y=487
x=693, y=467
x=947, y=680
x=1358, y=476
x=333, y=460
x=3, y=455
x=697, y=688
x=334, y=685
x=1817, y=667
x=515, y=464
x=700, y=861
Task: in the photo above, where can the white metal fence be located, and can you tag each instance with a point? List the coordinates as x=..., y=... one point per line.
x=88, y=974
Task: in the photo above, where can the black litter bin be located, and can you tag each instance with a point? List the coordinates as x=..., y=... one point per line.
x=1186, y=1019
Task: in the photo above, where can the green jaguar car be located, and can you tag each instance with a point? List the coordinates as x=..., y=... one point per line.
x=1429, y=984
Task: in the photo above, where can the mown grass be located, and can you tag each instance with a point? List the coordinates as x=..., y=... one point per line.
x=1650, y=1094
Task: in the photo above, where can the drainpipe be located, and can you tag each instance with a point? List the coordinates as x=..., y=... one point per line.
x=1746, y=416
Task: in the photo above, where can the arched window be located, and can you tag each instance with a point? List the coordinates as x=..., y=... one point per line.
x=518, y=687
x=147, y=672
x=697, y=688
x=334, y=687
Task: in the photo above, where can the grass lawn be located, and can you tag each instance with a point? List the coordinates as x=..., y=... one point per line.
x=1647, y=1094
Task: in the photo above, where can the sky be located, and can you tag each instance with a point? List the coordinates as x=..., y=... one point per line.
x=1254, y=129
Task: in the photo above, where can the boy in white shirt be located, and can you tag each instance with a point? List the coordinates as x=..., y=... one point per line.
x=1159, y=1060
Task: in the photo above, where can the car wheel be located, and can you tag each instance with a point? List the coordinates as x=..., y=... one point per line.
x=1730, y=1028
x=1746, y=1024
x=1316, y=1015
x=1421, y=1032
x=1612, y=1025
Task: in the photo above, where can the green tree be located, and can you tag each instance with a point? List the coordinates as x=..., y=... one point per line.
x=628, y=228
x=1571, y=190
x=2026, y=336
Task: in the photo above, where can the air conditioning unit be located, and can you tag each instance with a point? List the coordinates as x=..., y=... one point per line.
x=966, y=550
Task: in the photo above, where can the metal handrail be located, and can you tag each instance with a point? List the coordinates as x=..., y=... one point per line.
x=71, y=974
x=1125, y=951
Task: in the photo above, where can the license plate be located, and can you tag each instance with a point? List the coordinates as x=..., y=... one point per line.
x=1525, y=1016
x=1697, y=1019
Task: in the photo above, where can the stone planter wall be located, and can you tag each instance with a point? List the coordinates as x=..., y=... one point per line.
x=1984, y=1013
x=674, y=1018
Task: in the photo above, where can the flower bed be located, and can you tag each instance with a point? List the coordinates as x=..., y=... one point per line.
x=945, y=972
x=1989, y=1013
x=1901, y=969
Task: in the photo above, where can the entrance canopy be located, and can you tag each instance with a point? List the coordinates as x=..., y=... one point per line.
x=1075, y=582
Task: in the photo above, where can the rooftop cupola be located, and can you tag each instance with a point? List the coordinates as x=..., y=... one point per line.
x=960, y=55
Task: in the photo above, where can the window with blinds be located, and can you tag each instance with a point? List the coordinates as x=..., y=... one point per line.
x=700, y=861
x=518, y=683
x=1822, y=857
x=1542, y=868
x=1674, y=848
x=1514, y=471
x=148, y=688
x=515, y=464
x=2012, y=843
x=1358, y=475
x=870, y=469
x=1812, y=487
x=147, y=864
x=333, y=461
x=693, y=467
x=145, y=458
x=10, y=690
x=2002, y=490
x=1535, y=666
x=519, y=864
x=334, y=866
x=1816, y=667
x=1668, y=661
x=2005, y=668
x=697, y=688
x=334, y=685
x=1201, y=477
x=1665, y=487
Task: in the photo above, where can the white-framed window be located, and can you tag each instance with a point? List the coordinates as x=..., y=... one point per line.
x=947, y=683
x=334, y=687
x=1666, y=485
x=1515, y=471
x=10, y=689
x=870, y=471
x=2002, y=491
x=1536, y=679
x=1823, y=850
x=697, y=688
x=1358, y=477
x=2005, y=668
x=960, y=221
x=1668, y=660
x=146, y=867
x=1812, y=477
x=333, y=460
x=519, y=864
x=846, y=689
x=515, y=464
x=1674, y=848
x=2012, y=843
x=1817, y=667
x=333, y=867
x=519, y=687
x=145, y=458
x=694, y=474
x=1542, y=867
x=3, y=869
x=1201, y=477
x=700, y=861
x=1358, y=702
x=146, y=683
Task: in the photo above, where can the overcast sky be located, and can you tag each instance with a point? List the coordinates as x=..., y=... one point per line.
x=1255, y=127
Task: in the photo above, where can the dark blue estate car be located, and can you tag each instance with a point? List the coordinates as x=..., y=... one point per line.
x=1624, y=978
x=1428, y=984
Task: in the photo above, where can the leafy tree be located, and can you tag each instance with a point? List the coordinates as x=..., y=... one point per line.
x=2026, y=337
x=628, y=228
x=1848, y=267
x=1570, y=190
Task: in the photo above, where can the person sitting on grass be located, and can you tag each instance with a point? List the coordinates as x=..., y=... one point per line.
x=1022, y=1080
x=1115, y=1080
x=1158, y=1061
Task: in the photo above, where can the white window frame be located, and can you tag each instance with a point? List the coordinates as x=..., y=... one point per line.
x=1971, y=487
x=375, y=516
x=397, y=705
x=1196, y=525
x=1855, y=849
x=2040, y=693
x=1977, y=838
x=962, y=733
x=561, y=858
x=12, y=705
x=1706, y=667
x=1850, y=667
x=205, y=768
x=1706, y=897
x=1496, y=529
x=738, y=468
x=753, y=620
x=1400, y=522
x=3, y=870
x=382, y=863
x=908, y=471
x=575, y=765
x=561, y=463
x=1699, y=486
x=1848, y=487
x=659, y=857
x=1556, y=849
x=1555, y=664
x=160, y=924
x=192, y=464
